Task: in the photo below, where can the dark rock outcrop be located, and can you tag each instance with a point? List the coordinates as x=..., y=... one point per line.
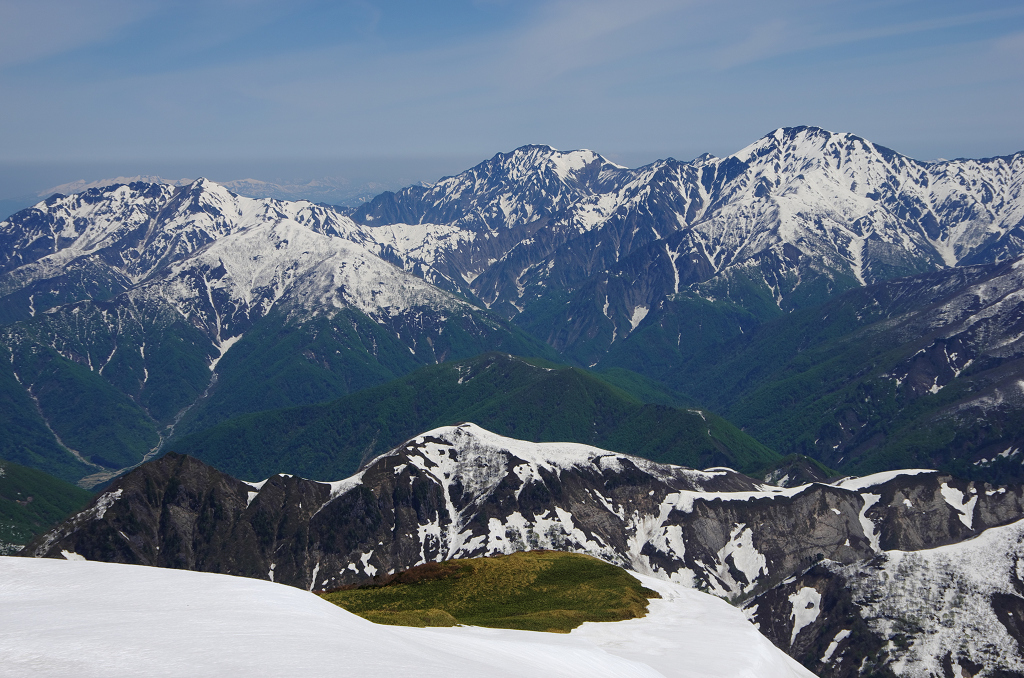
x=461, y=491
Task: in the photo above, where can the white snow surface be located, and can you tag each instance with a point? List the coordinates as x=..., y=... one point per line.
x=956, y=500
x=552, y=456
x=869, y=527
x=830, y=650
x=947, y=592
x=863, y=482
x=806, y=608
x=65, y=618
x=687, y=632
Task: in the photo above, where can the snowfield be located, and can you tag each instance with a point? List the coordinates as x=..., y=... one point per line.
x=127, y=620
x=689, y=633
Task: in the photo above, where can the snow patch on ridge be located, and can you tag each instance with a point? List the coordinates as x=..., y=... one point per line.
x=830, y=650
x=639, y=313
x=806, y=607
x=745, y=557
x=224, y=346
x=863, y=482
x=947, y=591
x=869, y=527
x=965, y=507
x=566, y=164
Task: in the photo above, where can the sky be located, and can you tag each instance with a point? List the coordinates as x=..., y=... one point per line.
x=410, y=90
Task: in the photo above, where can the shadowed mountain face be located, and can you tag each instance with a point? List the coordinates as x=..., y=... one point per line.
x=945, y=611
x=920, y=371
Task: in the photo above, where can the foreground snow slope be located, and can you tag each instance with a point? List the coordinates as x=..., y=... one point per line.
x=109, y=619
x=689, y=633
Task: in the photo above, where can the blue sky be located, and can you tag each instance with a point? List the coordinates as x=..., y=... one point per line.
x=153, y=85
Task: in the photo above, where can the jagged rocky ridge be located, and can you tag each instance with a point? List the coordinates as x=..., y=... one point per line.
x=462, y=491
x=901, y=573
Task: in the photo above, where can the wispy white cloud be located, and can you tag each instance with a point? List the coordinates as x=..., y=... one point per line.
x=239, y=76
x=571, y=36
x=1010, y=46
x=810, y=30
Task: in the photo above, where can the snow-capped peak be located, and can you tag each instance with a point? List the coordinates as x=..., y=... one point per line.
x=797, y=141
x=473, y=443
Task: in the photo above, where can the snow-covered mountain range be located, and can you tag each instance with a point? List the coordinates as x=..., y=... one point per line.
x=797, y=205
x=129, y=297
x=799, y=214
x=338, y=191
x=148, y=286
x=186, y=244
x=462, y=491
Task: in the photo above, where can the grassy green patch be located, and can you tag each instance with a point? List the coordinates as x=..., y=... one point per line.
x=530, y=591
x=420, y=618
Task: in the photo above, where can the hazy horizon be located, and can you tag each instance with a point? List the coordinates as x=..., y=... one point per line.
x=21, y=182
x=402, y=91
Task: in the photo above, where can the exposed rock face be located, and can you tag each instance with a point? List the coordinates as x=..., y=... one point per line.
x=796, y=470
x=461, y=491
x=954, y=610
x=180, y=513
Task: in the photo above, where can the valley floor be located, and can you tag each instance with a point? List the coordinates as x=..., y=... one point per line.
x=89, y=619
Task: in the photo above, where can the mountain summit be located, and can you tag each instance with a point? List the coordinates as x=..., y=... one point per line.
x=156, y=308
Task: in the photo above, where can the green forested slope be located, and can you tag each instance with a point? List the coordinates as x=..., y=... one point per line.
x=502, y=393
x=24, y=436
x=910, y=373
x=133, y=381
x=31, y=502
